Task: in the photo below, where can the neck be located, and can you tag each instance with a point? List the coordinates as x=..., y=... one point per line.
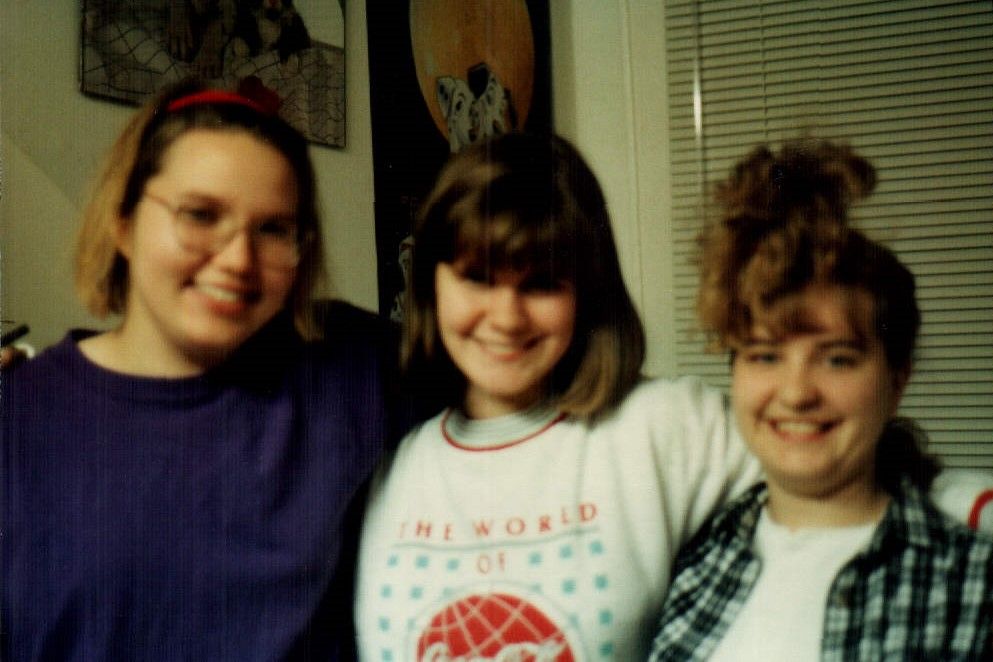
x=477, y=404
x=851, y=505
x=116, y=351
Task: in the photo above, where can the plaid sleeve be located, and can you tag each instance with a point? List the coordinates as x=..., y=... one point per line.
x=923, y=591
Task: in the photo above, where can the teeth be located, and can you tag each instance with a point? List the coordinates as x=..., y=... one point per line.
x=798, y=427
x=218, y=292
x=503, y=348
x=499, y=353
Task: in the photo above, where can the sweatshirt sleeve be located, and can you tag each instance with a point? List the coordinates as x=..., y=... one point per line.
x=702, y=457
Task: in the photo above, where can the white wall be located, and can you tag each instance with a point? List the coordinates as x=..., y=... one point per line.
x=608, y=98
x=50, y=141
x=52, y=138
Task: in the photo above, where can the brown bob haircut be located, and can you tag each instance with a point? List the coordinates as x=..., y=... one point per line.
x=101, y=272
x=782, y=227
x=526, y=203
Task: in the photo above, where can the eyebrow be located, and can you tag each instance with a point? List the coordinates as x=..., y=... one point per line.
x=853, y=342
x=194, y=197
x=191, y=197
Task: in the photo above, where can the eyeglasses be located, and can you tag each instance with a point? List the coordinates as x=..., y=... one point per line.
x=206, y=228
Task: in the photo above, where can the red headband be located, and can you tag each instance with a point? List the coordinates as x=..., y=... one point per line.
x=216, y=96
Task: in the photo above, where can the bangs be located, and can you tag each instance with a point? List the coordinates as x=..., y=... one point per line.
x=505, y=243
x=539, y=243
x=792, y=315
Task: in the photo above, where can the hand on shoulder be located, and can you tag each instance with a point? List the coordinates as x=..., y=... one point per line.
x=13, y=355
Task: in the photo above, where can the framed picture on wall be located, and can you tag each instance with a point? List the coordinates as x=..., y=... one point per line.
x=444, y=74
x=292, y=48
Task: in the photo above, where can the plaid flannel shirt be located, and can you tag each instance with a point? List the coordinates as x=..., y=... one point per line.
x=923, y=590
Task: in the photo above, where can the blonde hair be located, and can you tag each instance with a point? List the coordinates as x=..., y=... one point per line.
x=527, y=203
x=101, y=273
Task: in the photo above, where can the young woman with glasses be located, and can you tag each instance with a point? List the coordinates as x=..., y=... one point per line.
x=178, y=486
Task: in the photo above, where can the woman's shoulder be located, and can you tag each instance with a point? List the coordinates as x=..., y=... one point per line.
x=344, y=316
x=40, y=392
x=52, y=363
x=352, y=339
x=959, y=536
x=925, y=524
x=354, y=345
x=345, y=325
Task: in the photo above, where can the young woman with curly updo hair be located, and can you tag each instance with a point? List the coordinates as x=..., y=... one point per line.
x=839, y=555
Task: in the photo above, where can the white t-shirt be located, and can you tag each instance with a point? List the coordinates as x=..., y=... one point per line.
x=783, y=617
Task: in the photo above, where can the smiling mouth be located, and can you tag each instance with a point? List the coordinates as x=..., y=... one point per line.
x=800, y=429
x=226, y=295
x=506, y=351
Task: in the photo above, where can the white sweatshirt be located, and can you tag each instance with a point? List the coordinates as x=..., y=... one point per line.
x=534, y=534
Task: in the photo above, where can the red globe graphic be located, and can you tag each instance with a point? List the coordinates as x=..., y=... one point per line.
x=495, y=626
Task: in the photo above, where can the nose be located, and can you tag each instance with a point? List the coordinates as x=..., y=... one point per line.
x=506, y=309
x=798, y=388
x=238, y=254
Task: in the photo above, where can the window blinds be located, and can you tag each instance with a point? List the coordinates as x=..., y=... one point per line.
x=910, y=86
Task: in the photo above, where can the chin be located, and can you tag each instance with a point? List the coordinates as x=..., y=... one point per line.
x=218, y=346
x=811, y=484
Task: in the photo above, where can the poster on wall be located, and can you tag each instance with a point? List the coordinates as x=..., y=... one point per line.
x=294, y=49
x=444, y=74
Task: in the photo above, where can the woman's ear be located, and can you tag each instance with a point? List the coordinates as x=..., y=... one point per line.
x=900, y=379
x=123, y=236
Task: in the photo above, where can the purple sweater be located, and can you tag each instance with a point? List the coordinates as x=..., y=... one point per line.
x=184, y=519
